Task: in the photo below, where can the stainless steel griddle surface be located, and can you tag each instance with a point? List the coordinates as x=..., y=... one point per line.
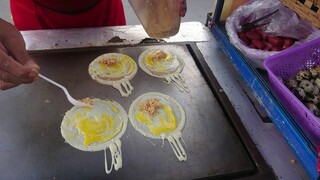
x=32, y=146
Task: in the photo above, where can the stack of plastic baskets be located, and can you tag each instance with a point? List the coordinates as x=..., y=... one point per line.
x=286, y=64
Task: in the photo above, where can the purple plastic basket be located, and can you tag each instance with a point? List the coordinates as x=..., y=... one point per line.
x=286, y=64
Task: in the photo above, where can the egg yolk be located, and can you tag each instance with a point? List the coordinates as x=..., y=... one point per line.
x=94, y=130
x=166, y=123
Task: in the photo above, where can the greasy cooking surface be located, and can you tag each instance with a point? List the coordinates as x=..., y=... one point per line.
x=32, y=146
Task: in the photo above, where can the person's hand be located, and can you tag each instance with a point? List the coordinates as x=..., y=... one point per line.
x=16, y=66
x=182, y=8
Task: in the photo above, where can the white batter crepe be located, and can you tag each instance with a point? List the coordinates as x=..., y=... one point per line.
x=114, y=69
x=159, y=116
x=163, y=64
x=96, y=128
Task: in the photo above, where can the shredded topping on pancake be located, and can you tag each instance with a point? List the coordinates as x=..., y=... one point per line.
x=156, y=56
x=111, y=61
x=150, y=106
x=87, y=101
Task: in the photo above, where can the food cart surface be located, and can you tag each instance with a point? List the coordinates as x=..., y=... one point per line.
x=32, y=114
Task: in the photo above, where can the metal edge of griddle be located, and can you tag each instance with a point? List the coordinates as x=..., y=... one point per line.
x=263, y=171
x=76, y=49
x=144, y=42
x=290, y=130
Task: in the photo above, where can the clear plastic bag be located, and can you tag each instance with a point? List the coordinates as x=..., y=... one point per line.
x=283, y=23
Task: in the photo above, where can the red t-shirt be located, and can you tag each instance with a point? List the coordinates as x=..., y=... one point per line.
x=61, y=14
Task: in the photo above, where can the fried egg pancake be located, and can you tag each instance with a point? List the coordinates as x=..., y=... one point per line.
x=160, y=63
x=114, y=69
x=159, y=116
x=94, y=128
x=156, y=115
x=163, y=64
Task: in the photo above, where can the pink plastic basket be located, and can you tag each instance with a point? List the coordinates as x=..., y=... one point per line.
x=286, y=64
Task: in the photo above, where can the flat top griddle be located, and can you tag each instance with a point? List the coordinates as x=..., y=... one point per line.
x=32, y=146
